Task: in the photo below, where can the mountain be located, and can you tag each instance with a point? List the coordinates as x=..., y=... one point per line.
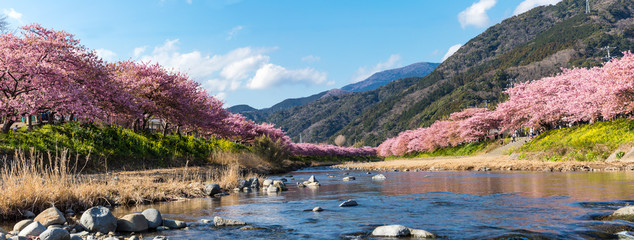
x=382, y=78
x=529, y=46
x=376, y=80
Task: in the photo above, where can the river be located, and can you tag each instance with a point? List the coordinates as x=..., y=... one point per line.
x=452, y=205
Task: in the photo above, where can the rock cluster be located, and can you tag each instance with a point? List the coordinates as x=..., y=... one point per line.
x=312, y=182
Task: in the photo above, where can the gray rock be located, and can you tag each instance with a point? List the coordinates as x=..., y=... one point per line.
x=3, y=236
x=267, y=182
x=98, y=219
x=174, y=224
x=272, y=189
x=419, y=233
x=391, y=231
x=348, y=203
x=134, y=238
x=317, y=209
x=221, y=222
x=484, y=169
x=162, y=228
x=69, y=212
x=625, y=213
x=50, y=216
x=242, y=183
x=75, y=237
x=312, y=179
x=18, y=238
x=111, y=238
x=55, y=234
x=160, y=238
x=134, y=222
x=3, y=231
x=153, y=217
x=279, y=184
x=255, y=182
x=33, y=229
x=21, y=224
x=206, y=221
x=28, y=214
x=378, y=177
x=349, y=178
x=212, y=189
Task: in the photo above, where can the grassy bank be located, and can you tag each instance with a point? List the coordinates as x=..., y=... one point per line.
x=588, y=142
x=112, y=147
x=468, y=149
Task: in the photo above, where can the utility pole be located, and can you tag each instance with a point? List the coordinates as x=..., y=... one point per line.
x=587, y=6
x=607, y=48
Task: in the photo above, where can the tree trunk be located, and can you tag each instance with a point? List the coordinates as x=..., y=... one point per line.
x=165, y=125
x=7, y=125
x=29, y=122
x=178, y=130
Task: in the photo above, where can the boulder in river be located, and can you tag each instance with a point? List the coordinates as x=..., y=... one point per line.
x=222, y=222
x=348, y=203
x=50, y=216
x=378, y=177
x=212, y=189
x=174, y=224
x=21, y=224
x=625, y=213
x=55, y=234
x=153, y=217
x=98, y=219
x=312, y=179
x=391, y=231
x=317, y=209
x=267, y=182
x=254, y=182
x=349, y=178
x=134, y=222
x=33, y=229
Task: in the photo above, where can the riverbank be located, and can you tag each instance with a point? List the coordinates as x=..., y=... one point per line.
x=489, y=162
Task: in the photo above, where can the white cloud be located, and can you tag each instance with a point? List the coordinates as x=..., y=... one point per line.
x=242, y=67
x=530, y=4
x=106, y=54
x=11, y=13
x=234, y=31
x=310, y=59
x=273, y=75
x=453, y=49
x=138, y=51
x=476, y=14
x=364, y=72
x=189, y=1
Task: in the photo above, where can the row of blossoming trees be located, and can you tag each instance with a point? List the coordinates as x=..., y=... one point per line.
x=574, y=96
x=43, y=70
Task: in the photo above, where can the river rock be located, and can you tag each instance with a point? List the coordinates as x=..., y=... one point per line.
x=153, y=217
x=378, y=177
x=624, y=213
x=254, y=182
x=348, y=203
x=272, y=189
x=98, y=219
x=21, y=224
x=222, y=222
x=317, y=209
x=160, y=238
x=55, y=234
x=625, y=235
x=174, y=224
x=267, y=182
x=33, y=229
x=3, y=236
x=312, y=179
x=212, y=188
x=134, y=222
x=391, y=231
x=18, y=238
x=28, y=214
x=349, y=178
x=420, y=233
x=75, y=237
x=50, y=216
x=242, y=183
x=281, y=185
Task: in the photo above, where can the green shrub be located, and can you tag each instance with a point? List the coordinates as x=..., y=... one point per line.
x=620, y=154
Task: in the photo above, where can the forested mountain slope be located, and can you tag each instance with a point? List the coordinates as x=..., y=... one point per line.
x=529, y=46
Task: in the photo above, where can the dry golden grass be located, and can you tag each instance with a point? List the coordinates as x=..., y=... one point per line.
x=499, y=163
x=35, y=181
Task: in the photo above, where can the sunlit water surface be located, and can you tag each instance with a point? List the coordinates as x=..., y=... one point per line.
x=453, y=205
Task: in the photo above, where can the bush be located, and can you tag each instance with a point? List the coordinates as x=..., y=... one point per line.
x=620, y=154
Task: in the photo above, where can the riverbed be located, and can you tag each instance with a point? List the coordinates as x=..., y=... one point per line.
x=452, y=205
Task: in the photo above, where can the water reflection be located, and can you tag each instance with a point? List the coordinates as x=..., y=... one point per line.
x=455, y=205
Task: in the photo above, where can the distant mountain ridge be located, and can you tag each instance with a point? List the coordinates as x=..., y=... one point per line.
x=379, y=79
x=529, y=46
x=376, y=80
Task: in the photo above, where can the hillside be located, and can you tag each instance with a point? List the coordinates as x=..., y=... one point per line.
x=382, y=78
x=529, y=46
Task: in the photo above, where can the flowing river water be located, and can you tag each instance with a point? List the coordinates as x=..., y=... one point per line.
x=452, y=205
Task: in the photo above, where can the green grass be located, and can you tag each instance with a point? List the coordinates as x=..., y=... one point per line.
x=460, y=150
x=119, y=146
x=589, y=142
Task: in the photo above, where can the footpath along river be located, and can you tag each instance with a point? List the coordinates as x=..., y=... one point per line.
x=452, y=205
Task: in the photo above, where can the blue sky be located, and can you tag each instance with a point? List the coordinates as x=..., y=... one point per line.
x=260, y=52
